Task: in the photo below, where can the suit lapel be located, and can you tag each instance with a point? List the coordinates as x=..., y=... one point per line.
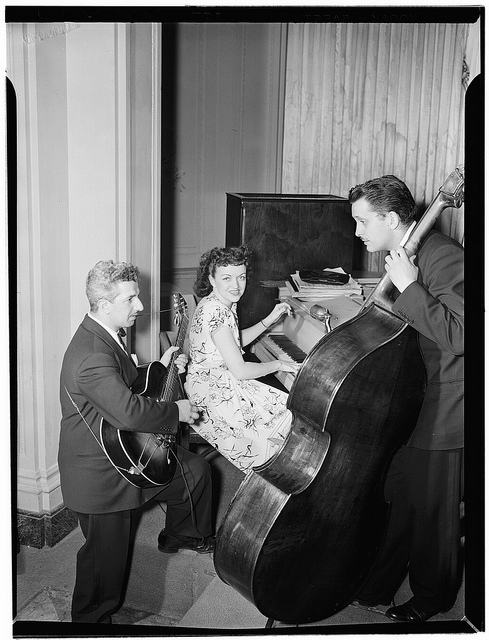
x=127, y=364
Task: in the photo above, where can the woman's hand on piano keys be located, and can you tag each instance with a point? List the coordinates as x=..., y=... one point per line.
x=289, y=365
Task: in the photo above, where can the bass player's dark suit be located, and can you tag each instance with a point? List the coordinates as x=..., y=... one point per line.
x=424, y=482
x=96, y=376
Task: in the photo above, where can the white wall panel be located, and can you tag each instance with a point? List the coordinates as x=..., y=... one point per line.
x=227, y=129
x=73, y=210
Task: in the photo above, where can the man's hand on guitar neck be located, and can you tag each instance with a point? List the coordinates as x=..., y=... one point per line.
x=187, y=412
x=180, y=361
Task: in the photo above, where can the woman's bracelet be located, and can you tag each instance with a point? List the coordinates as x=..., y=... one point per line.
x=264, y=324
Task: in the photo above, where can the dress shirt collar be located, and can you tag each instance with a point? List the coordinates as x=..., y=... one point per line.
x=110, y=331
x=407, y=234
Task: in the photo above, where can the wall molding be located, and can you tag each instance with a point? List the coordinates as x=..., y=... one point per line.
x=122, y=141
x=155, y=186
x=39, y=490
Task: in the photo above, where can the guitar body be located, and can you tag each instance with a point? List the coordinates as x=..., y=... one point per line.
x=149, y=459
x=144, y=459
x=150, y=380
x=303, y=530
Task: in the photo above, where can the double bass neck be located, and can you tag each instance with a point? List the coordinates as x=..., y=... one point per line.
x=450, y=194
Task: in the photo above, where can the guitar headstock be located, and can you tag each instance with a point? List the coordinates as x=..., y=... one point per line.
x=181, y=308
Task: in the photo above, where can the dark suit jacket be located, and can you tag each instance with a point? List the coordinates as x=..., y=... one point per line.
x=98, y=375
x=434, y=306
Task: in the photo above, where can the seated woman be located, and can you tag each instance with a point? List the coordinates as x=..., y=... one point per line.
x=246, y=420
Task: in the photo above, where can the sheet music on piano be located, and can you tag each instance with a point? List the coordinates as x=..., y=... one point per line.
x=304, y=290
x=295, y=335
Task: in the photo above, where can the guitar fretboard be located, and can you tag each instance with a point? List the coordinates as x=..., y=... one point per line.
x=172, y=377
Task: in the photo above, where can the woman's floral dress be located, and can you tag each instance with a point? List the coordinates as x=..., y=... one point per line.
x=246, y=420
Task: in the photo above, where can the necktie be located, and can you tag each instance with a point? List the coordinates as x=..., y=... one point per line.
x=122, y=333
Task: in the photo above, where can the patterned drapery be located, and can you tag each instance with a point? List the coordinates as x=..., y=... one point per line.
x=364, y=100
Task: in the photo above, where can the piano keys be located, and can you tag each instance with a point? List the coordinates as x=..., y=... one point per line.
x=296, y=335
x=279, y=347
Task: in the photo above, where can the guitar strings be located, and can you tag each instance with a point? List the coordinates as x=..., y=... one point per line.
x=154, y=313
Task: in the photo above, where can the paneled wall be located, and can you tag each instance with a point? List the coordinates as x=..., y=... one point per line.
x=90, y=164
x=364, y=100
x=69, y=216
x=86, y=100
x=222, y=129
x=89, y=155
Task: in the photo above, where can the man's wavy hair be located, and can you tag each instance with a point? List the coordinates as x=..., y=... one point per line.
x=101, y=280
x=385, y=194
x=219, y=257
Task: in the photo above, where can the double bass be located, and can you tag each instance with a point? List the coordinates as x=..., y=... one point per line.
x=303, y=530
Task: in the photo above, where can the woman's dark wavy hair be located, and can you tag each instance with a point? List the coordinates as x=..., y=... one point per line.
x=219, y=257
x=385, y=194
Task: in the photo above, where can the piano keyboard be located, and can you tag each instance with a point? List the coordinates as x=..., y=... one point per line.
x=279, y=347
x=290, y=349
x=300, y=332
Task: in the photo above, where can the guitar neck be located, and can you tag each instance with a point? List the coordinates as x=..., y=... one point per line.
x=172, y=377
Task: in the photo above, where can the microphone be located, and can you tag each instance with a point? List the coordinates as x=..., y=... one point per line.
x=323, y=315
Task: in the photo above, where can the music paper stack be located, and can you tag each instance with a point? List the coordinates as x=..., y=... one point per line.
x=319, y=291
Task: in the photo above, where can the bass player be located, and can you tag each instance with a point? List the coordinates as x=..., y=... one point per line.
x=424, y=484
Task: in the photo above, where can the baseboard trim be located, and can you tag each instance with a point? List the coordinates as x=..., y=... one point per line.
x=45, y=529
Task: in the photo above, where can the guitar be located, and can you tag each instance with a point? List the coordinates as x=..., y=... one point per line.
x=149, y=459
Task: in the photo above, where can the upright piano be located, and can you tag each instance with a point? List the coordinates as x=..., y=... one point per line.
x=286, y=233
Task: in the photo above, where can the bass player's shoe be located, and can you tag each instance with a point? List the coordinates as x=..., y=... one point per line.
x=407, y=612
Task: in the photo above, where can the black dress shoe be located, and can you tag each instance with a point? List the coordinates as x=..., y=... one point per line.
x=168, y=543
x=407, y=612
